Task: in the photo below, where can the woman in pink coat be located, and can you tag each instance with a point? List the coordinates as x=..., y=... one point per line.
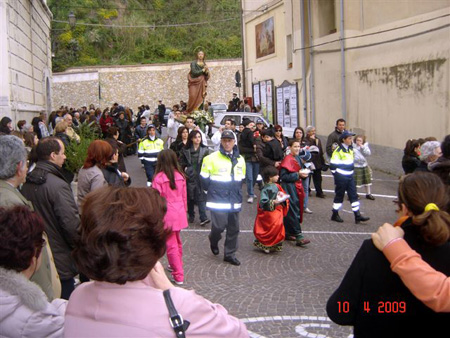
x=122, y=236
x=171, y=184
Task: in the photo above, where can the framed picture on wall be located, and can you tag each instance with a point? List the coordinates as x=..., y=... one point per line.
x=265, y=38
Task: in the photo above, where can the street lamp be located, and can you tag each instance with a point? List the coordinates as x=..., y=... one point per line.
x=72, y=19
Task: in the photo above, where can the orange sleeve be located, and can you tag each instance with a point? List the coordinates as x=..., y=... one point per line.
x=428, y=285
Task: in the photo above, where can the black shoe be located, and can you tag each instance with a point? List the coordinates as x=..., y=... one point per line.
x=214, y=248
x=335, y=217
x=191, y=220
x=232, y=260
x=360, y=218
x=203, y=223
x=370, y=197
x=320, y=195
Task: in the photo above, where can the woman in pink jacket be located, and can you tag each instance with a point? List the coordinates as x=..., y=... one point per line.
x=122, y=236
x=171, y=184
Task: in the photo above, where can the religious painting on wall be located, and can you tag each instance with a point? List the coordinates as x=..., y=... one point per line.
x=265, y=38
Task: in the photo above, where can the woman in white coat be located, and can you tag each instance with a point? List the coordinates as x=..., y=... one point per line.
x=24, y=309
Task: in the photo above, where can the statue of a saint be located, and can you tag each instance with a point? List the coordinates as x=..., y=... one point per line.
x=197, y=82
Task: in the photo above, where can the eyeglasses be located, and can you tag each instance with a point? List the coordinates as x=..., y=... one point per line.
x=277, y=130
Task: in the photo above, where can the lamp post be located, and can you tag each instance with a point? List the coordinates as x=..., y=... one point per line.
x=72, y=19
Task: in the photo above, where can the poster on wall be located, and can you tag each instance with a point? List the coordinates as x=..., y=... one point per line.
x=256, y=100
x=265, y=38
x=280, y=106
x=287, y=107
x=263, y=98
x=269, y=101
x=293, y=105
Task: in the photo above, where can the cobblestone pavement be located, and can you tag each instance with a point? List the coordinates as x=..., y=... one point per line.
x=283, y=294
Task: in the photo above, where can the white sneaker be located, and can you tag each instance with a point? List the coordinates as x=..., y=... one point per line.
x=250, y=199
x=176, y=282
x=308, y=211
x=149, y=184
x=267, y=251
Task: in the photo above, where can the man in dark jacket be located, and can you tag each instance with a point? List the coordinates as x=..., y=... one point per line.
x=269, y=151
x=53, y=198
x=333, y=139
x=247, y=148
x=161, y=113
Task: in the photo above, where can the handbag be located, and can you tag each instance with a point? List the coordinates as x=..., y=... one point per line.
x=179, y=325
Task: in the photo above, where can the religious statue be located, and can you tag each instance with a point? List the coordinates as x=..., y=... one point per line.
x=197, y=82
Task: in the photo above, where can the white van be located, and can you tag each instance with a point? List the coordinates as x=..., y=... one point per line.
x=220, y=118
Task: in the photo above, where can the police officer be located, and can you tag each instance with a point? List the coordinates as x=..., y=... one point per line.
x=148, y=151
x=222, y=174
x=341, y=165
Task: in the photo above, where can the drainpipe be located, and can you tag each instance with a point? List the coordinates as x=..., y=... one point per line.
x=344, y=103
x=311, y=65
x=243, y=83
x=302, y=19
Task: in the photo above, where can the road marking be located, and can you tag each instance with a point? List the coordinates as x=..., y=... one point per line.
x=305, y=232
x=302, y=329
x=363, y=194
x=373, y=179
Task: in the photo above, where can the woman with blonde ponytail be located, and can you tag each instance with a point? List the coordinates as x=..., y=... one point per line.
x=374, y=299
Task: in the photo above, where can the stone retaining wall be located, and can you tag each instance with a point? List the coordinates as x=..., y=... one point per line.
x=135, y=85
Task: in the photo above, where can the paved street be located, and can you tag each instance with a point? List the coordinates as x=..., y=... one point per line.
x=283, y=294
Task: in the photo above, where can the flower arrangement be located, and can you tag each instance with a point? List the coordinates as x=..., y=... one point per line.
x=202, y=118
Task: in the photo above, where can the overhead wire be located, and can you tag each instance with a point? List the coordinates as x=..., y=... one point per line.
x=148, y=26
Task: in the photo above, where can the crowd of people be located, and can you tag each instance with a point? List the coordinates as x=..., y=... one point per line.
x=113, y=235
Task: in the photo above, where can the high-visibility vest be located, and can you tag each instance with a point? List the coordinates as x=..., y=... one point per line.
x=148, y=149
x=342, y=161
x=222, y=178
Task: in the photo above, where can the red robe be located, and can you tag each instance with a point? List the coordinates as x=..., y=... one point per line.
x=269, y=228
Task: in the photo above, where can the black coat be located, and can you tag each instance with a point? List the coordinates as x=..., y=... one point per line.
x=52, y=197
x=441, y=167
x=113, y=177
x=268, y=153
x=410, y=163
x=124, y=130
x=64, y=138
x=370, y=283
x=193, y=183
x=246, y=143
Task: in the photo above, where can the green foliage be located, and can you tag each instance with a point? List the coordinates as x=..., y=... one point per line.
x=76, y=153
x=104, y=45
x=108, y=13
x=173, y=54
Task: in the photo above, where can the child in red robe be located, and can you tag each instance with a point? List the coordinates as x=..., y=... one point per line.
x=273, y=206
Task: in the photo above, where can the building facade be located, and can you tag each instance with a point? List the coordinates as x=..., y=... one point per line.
x=25, y=59
x=382, y=65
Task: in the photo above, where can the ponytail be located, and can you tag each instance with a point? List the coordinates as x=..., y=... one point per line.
x=434, y=226
x=427, y=198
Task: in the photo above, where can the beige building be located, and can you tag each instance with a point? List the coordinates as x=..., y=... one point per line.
x=25, y=58
x=382, y=65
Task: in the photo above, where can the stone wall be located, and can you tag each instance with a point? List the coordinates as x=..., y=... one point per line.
x=135, y=85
